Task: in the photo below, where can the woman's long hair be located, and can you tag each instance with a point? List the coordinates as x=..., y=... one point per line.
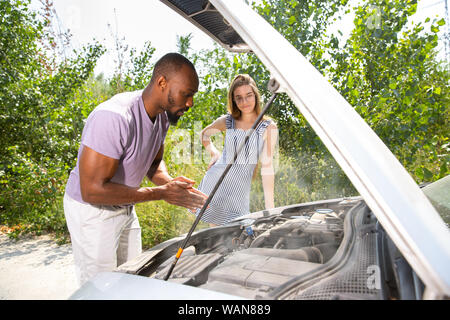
x=241, y=80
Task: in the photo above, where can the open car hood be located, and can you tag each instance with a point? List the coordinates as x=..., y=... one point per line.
x=204, y=15
x=401, y=207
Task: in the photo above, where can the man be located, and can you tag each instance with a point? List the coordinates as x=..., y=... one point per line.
x=122, y=142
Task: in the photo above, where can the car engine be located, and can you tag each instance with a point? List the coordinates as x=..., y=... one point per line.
x=253, y=256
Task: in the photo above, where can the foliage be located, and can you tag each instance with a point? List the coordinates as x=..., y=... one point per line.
x=387, y=70
x=137, y=73
x=303, y=24
x=39, y=116
x=390, y=74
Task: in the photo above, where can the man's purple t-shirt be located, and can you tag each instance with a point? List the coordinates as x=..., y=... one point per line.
x=120, y=128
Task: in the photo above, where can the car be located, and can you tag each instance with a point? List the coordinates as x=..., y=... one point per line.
x=333, y=249
x=391, y=242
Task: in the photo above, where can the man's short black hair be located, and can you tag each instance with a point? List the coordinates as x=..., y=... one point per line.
x=168, y=64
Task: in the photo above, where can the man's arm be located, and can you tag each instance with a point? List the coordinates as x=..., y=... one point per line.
x=96, y=171
x=158, y=173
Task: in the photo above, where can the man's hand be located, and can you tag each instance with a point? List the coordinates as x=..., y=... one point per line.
x=180, y=192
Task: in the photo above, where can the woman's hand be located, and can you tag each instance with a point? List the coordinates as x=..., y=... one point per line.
x=219, y=125
x=215, y=155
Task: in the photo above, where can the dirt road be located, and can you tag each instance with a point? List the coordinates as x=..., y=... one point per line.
x=35, y=268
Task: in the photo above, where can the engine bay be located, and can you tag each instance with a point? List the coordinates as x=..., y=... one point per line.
x=251, y=257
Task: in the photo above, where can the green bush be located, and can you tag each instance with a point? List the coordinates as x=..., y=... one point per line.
x=40, y=117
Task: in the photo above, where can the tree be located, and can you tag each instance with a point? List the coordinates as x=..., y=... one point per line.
x=38, y=116
x=390, y=74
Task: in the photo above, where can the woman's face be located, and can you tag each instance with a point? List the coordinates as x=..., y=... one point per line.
x=245, y=98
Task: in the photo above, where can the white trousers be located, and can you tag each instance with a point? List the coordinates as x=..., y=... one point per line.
x=103, y=237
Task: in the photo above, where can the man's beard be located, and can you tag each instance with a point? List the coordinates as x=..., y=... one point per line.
x=173, y=118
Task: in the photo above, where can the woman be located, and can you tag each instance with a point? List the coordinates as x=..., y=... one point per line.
x=232, y=198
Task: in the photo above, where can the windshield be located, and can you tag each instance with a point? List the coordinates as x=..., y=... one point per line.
x=439, y=194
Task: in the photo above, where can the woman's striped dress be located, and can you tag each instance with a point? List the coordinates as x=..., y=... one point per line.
x=232, y=198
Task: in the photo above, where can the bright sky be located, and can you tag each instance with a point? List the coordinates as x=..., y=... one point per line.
x=135, y=20
x=151, y=20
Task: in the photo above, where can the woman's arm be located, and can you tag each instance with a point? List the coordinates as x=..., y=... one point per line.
x=267, y=171
x=218, y=125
